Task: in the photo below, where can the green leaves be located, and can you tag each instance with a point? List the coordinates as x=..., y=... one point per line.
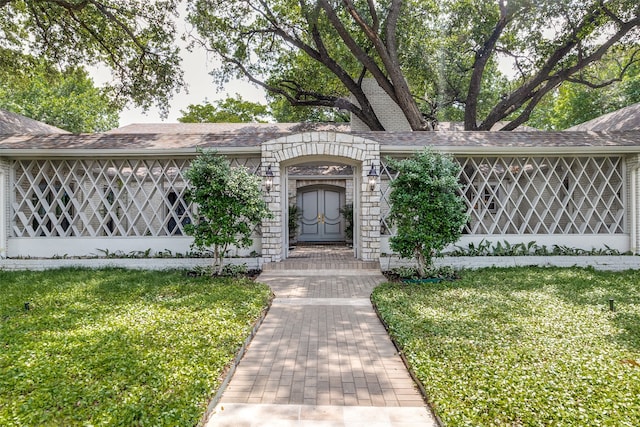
x=426, y=209
x=229, y=203
x=118, y=347
x=134, y=39
x=525, y=346
x=484, y=61
x=229, y=110
x=66, y=99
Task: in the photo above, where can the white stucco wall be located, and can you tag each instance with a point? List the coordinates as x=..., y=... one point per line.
x=4, y=206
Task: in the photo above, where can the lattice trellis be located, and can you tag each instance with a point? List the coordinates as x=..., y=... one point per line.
x=535, y=195
x=87, y=197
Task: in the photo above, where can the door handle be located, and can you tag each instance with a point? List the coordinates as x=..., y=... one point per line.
x=321, y=218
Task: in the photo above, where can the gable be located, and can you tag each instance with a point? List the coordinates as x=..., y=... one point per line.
x=12, y=123
x=627, y=118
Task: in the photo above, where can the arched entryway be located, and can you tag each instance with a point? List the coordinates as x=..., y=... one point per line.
x=322, y=148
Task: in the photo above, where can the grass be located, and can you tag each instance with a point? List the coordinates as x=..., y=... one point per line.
x=118, y=347
x=523, y=346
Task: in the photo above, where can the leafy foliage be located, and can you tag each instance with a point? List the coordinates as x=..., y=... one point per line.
x=229, y=203
x=118, y=347
x=283, y=112
x=347, y=214
x=229, y=110
x=294, y=221
x=505, y=248
x=435, y=60
x=66, y=99
x=135, y=39
x=575, y=103
x=523, y=346
x=426, y=207
x=404, y=272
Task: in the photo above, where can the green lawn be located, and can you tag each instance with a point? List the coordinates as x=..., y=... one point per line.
x=117, y=347
x=525, y=346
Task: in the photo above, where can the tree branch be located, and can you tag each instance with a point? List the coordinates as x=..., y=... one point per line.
x=527, y=93
x=354, y=48
x=318, y=101
x=479, y=65
x=599, y=85
x=398, y=90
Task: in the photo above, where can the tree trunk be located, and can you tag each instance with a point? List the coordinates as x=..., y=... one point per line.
x=218, y=261
x=421, y=263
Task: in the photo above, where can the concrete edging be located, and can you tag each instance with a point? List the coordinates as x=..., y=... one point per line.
x=33, y=264
x=600, y=262
x=603, y=262
x=412, y=373
x=235, y=362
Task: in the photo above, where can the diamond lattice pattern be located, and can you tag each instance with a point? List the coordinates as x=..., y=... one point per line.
x=139, y=197
x=535, y=195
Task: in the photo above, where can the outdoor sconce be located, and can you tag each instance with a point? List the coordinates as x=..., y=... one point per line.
x=268, y=180
x=373, y=177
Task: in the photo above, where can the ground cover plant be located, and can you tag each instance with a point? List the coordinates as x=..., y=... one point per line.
x=118, y=347
x=523, y=346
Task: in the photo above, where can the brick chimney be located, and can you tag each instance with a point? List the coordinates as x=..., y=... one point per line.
x=388, y=112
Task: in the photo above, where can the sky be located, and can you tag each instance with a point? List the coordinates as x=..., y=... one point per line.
x=196, y=66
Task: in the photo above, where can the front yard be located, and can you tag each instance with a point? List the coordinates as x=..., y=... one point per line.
x=118, y=347
x=525, y=346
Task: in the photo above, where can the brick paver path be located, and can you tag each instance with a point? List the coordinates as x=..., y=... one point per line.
x=321, y=356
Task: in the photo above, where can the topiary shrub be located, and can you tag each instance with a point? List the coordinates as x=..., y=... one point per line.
x=426, y=207
x=229, y=204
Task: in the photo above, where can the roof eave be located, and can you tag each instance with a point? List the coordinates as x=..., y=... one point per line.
x=492, y=150
x=120, y=153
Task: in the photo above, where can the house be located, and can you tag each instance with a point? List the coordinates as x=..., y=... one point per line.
x=627, y=118
x=123, y=190
x=12, y=123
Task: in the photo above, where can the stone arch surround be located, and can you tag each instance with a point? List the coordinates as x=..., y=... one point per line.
x=359, y=152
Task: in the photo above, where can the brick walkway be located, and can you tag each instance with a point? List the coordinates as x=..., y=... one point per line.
x=321, y=356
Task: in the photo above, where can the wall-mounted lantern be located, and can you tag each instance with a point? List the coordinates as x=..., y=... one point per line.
x=268, y=180
x=373, y=177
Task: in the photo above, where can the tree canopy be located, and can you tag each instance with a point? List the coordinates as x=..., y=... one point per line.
x=228, y=110
x=574, y=103
x=135, y=39
x=435, y=59
x=237, y=110
x=66, y=99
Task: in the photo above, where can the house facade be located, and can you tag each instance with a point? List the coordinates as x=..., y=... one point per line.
x=66, y=195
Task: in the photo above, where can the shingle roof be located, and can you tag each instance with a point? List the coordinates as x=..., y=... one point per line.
x=237, y=128
x=459, y=127
x=189, y=128
x=627, y=118
x=140, y=141
x=510, y=139
x=12, y=123
x=168, y=142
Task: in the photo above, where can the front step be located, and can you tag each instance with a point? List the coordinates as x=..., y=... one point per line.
x=295, y=264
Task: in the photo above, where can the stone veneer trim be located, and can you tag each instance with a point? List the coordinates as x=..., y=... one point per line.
x=295, y=149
